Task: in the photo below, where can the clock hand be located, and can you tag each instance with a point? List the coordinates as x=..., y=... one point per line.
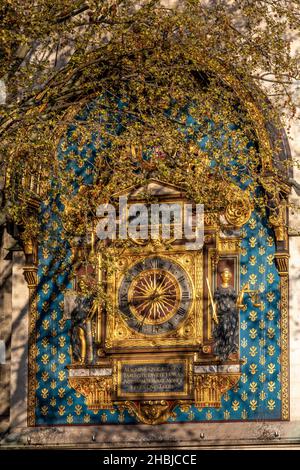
x=142, y=322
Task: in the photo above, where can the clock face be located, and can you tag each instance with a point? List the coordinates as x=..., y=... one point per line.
x=155, y=296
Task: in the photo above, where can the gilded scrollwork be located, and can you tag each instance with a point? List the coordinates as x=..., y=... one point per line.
x=238, y=209
x=152, y=411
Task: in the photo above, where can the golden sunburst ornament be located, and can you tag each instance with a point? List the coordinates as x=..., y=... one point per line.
x=154, y=296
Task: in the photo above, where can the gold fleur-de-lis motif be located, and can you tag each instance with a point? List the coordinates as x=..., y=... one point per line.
x=271, y=368
x=45, y=253
x=261, y=232
x=53, y=350
x=45, y=342
x=253, y=333
x=45, y=376
x=253, y=387
x=244, y=269
x=253, y=404
x=253, y=279
x=252, y=260
x=270, y=259
x=61, y=391
x=253, y=315
x=262, y=342
x=78, y=409
x=208, y=415
x=244, y=414
x=61, y=375
x=270, y=278
x=243, y=252
x=86, y=418
x=253, y=351
x=226, y=414
x=61, y=410
x=270, y=296
x=61, y=358
x=45, y=359
x=103, y=417
x=252, y=242
x=262, y=287
x=262, y=395
x=262, y=360
x=270, y=315
x=191, y=415
x=244, y=378
x=45, y=324
x=271, y=332
x=244, y=359
x=252, y=223
x=45, y=288
x=53, y=384
x=44, y=393
x=244, y=325
x=244, y=396
x=53, y=401
x=262, y=377
x=69, y=418
x=271, y=350
x=261, y=250
x=54, y=315
x=62, y=324
x=244, y=343
x=270, y=241
x=53, y=367
x=70, y=401
x=44, y=410
x=261, y=268
x=271, y=404
x=62, y=341
x=262, y=324
x=235, y=405
x=253, y=368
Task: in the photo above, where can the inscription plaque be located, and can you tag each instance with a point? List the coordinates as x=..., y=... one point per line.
x=152, y=378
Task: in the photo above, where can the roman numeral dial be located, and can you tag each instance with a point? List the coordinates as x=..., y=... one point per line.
x=155, y=296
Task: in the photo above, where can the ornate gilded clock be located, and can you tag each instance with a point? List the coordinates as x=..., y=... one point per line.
x=155, y=300
x=153, y=339
x=155, y=296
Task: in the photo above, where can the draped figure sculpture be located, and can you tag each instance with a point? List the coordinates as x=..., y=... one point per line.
x=226, y=330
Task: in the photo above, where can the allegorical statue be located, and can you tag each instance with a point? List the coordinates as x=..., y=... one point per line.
x=79, y=309
x=226, y=316
x=80, y=331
